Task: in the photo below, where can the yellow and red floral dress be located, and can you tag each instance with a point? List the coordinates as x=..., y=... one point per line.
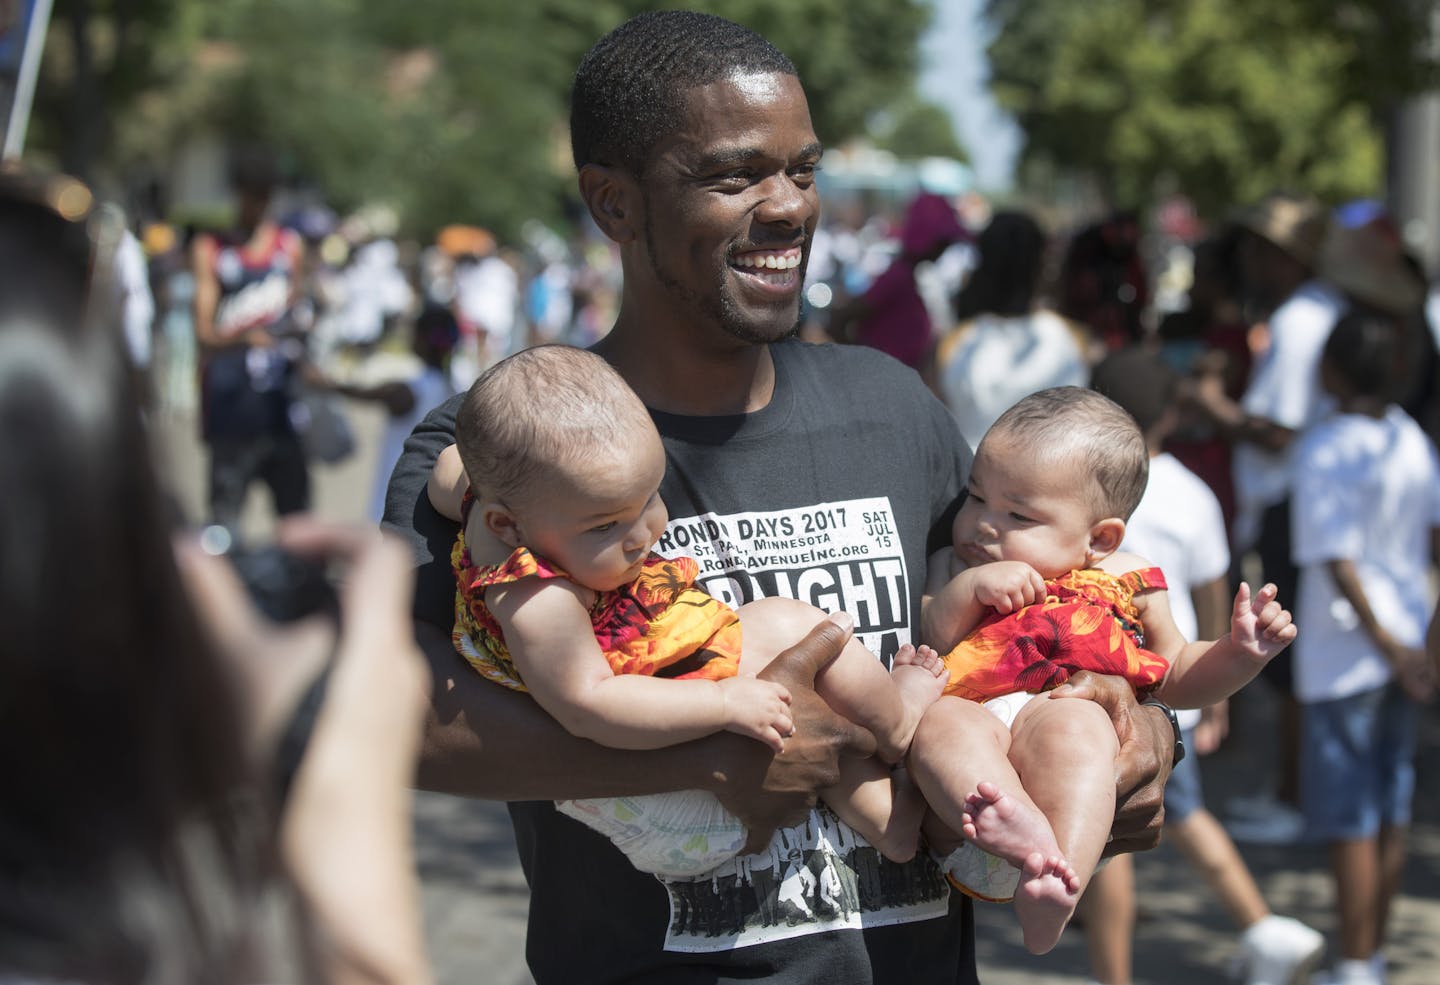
x=1088, y=621
x=659, y=625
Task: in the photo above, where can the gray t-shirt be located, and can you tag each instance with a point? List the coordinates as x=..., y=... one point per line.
x=834, y=493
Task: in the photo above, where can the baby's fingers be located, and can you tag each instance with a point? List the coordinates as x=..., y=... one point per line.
x=1241, y=606
x=774, y=737
x=1264, y=598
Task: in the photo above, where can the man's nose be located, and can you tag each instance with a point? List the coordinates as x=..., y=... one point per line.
x=786, y=201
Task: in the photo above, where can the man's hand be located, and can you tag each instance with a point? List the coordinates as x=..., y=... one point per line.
x=767, y=790
x=1147, y=745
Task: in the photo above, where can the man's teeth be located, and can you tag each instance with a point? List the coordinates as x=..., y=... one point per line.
x=768, y=261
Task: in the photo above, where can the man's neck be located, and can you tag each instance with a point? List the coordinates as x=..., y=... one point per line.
x=673, y=375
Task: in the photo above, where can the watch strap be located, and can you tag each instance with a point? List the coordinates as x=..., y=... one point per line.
x=1174, y=725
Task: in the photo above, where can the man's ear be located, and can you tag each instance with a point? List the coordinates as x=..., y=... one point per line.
x=613, y=198
x=1105, y=538
x=502, y=524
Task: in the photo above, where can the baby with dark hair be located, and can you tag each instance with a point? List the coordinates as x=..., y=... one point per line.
x=1034, y=591
x=555, y=478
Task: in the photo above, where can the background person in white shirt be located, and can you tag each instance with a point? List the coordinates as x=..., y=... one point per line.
x=1366, y=534
x=1180, y=527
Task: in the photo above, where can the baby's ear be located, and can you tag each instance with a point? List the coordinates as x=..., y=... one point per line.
x=501, y=523
x=1105, y=538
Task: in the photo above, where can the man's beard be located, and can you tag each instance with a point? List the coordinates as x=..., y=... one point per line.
x=719, y=305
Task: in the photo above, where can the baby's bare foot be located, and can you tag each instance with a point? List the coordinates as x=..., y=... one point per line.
x=1006, y=826
x=920, y=677
x=1045, y=900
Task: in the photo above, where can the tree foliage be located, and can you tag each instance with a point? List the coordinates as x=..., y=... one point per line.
x=449, y=110
x=101, y=56
x=1225, y=101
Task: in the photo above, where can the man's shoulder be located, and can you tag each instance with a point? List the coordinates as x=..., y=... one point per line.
x=849, y=365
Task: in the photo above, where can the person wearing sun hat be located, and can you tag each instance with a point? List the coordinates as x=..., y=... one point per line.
x=1279, y=255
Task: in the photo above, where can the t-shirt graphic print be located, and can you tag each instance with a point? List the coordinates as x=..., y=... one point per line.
x=838, y=556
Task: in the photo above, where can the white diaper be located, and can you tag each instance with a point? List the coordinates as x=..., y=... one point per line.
x=681, y=834
x=1006, y=706
x=975, y=872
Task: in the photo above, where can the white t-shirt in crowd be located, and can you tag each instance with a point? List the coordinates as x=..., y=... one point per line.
x=1285, y=388
x=987, y=364
x=1367, y=491
x=1179, y=527
x=431, y=388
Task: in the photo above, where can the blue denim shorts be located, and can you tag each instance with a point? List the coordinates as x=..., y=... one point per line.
x=1183, y=792
x=1357, y=763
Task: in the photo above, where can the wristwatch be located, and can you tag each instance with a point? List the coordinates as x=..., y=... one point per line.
x=1174, y=724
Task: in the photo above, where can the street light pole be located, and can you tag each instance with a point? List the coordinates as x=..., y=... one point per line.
x=19, y=120
x=1415, y=165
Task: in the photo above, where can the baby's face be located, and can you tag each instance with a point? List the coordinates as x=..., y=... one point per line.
x=599, y=522
x=1021, y=507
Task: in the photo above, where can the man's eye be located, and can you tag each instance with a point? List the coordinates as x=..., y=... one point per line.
x=604, y=528
x=1020, y=518
x=804, y=173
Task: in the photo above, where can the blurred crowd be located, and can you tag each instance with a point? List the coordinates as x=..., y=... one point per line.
x=264, y=330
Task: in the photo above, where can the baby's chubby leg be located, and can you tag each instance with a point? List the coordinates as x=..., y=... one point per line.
x=880, y=802
x=855, y=684
x=1065, y=748
x=958, y=746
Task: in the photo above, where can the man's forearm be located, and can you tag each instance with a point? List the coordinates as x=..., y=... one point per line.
x=484, y=740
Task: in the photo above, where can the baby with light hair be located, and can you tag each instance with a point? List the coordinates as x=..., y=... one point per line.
x=555, y=477
x=1034, y=590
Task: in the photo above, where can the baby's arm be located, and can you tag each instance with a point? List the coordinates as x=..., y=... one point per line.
x=548, y=632
x=447, y=484
x=958, y=598
x=1206, y=672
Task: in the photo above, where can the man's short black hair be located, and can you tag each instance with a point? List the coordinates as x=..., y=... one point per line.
x=632, y=84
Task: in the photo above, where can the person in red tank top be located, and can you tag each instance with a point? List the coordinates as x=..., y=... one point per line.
x=246, y=284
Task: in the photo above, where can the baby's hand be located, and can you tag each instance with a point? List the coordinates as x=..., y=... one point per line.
x=1260, y=626
x=759, y=709
x=1007, y=585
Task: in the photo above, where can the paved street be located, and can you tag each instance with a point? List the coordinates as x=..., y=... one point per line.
x=475, y=897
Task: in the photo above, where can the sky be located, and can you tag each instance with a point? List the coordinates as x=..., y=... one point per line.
x=954, y=74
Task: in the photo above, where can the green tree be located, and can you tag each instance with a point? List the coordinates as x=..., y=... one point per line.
x=476, y=130
x=450, y=110
x=101, y=57
x=918, y=128
x=1223, y=101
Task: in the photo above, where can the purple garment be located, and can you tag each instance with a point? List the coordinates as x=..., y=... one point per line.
x=898, y=322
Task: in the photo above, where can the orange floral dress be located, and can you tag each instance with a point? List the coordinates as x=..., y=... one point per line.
x=659, y=625
x=1088, y=621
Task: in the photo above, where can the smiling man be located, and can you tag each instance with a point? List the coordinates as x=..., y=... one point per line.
x=824, y=473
